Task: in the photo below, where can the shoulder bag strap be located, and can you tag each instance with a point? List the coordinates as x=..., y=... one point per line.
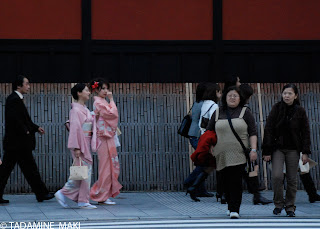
x=251, y=164
x=207, y=110
x=217, y=114
x=243, y=111
x=234, y=132
x=190, y=109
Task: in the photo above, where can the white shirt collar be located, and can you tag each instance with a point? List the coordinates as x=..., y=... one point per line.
x=20, y=95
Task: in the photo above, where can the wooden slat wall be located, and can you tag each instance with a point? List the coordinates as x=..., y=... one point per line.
x=152, y=155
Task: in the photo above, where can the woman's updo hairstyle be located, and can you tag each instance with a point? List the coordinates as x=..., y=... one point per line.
x=96, y=84
x=77, y=88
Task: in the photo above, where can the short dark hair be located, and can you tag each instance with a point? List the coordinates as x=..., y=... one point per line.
x=246, y=90
x=224, y=97
x=200, y=91
x=295, y=89
x=211, y=92
x=77, y=88
x=230, y=80
x=100, y=82
x=18, y=82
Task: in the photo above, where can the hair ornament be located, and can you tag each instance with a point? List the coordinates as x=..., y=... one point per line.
x=95, y=85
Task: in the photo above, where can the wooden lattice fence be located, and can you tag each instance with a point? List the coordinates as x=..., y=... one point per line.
x=152, y=155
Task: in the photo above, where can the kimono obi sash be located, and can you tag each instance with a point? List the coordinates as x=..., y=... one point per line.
x=87, y=129
x=104, y=129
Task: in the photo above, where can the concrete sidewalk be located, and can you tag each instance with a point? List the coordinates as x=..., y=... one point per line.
x=136, y=206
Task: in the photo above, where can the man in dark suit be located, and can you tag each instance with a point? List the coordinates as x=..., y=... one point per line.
x=19, y=142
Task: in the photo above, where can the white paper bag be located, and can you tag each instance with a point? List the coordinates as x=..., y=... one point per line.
x=116, y=140
x=304, y=168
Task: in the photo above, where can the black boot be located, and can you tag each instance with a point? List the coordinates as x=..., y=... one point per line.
x=258, y=199
x=220, y=188
x=2, y=201
x=310, y=187
x=193, y=188
x=205, y=194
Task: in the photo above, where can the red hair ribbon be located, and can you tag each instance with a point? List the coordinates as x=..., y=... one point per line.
x=95, y=85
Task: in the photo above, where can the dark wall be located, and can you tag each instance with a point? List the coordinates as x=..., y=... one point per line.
x=161, y=61
x=161, y=42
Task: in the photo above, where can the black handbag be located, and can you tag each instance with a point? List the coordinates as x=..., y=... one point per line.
x=184, y=127
x=205, y=121
x=250, y=165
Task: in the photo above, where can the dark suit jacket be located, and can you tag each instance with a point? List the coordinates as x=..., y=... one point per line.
x=19, y=128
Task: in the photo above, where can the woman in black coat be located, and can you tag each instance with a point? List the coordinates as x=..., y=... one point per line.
x=287, y=133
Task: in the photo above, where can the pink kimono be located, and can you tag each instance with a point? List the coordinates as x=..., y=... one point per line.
x=81, y=136
x=107, y=184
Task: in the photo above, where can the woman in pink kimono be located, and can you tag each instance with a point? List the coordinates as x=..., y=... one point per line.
x=81, y=137
x=107, y=184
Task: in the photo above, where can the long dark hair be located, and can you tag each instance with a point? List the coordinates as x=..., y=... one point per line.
x=224, y=97
x=211, y=92
x=200, y=91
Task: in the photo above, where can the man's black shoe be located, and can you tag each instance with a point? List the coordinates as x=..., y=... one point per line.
x=205, y=194
x=223, y=199
x=45, y=197
x=277, y=211
x=2, y=201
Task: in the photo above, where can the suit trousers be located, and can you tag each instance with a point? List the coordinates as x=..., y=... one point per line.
x=291, y=159
x=29, y=168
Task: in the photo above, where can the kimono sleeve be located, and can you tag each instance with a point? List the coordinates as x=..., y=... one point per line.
x=107, y=111
x=75, y=130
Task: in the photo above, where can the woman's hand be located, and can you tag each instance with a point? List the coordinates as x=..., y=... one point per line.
x=97, y=115
x=0, y=162
x=267, y=158
x=305, y=158
x=77, y=153
x=253, y=155
x=110, y=96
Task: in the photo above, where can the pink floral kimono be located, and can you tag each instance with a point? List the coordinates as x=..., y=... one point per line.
x=81, y=136
x=107, y=184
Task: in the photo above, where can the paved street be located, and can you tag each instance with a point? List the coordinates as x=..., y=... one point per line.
x=207, y=223
x=182, y=223
x=157, y=210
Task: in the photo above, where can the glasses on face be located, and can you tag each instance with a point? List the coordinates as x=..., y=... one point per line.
x=233, y=96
